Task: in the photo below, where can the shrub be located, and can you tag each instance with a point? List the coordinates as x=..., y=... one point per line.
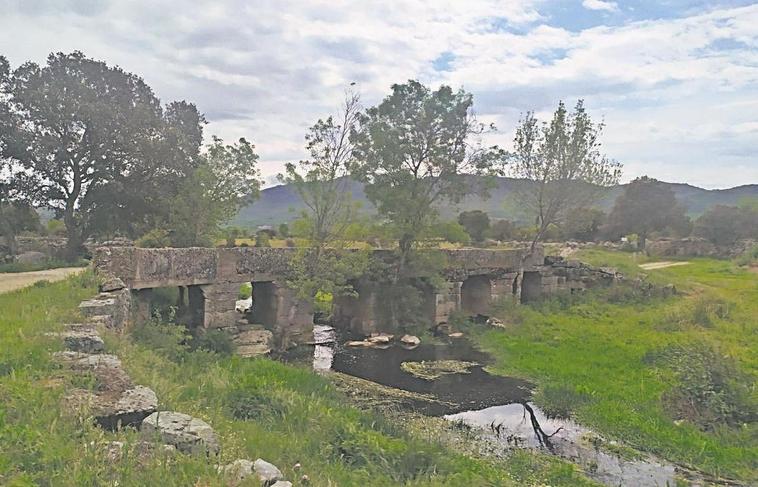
x=246, y=291
x=262, y=239
x=749, y=257
x=216, y=341
x=710, y=389
x=155, y=238
x=167, y=339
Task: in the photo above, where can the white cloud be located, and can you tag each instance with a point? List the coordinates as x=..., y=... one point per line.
x=600, y=5
x=676, y=105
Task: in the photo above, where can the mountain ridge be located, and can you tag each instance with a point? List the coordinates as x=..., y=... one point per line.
x=281, y=203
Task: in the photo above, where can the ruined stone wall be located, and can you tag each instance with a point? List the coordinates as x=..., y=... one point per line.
x=143, y=268
x=696, y=247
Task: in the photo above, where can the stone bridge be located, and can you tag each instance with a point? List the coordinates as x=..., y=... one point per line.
x=212, y=278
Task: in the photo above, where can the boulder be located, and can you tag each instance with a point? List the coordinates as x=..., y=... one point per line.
x=492, y=321
x=31, y=257
x=237, y=471
x=187, y=434
x=112, y=284
x=129, y=409
x=83, y=341
x=267, y=473
x=380, y=338
x=410, y=340
x=254, y=342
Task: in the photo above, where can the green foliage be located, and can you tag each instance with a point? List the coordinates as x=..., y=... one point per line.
x=723, y=225
x=156, y=238
x=294, y=416
x=284, y=230
x=593, y=349
x=644, y=207
x=476, y=223
x=583, y=224
x=561, y=401
x=216, y=341
x=15, y=217
x=749, y=257
x=450, y=231
x=710, y=390
x=413, y=151
x=563, y=162
x=56, y=228
x=246, y=291
x=225, y=180
x=262, y=239
x=503, y=230
x=93, y=143
x=166, y=338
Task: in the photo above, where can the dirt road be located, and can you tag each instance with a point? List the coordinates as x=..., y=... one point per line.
x=10, y=281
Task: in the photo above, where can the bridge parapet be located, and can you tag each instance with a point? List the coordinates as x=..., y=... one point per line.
x=142, y=268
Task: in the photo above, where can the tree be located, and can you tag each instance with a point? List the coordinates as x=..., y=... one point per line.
x=645, y=206
x=476, y=223
x=503, y=230
x=15, y=217
x=284, y=230
x=583, y=224
x=226, y=179
x=414, y=151
x=93, y=140
x=724, y=225
x=322, y=181
x=563, y=164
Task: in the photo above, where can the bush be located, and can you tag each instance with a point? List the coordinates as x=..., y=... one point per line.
x=167, y=339
x=246, y=291
x=216, y=341
x=749, y=257
x=155, y=238
x=710, y=390
x=262, y=239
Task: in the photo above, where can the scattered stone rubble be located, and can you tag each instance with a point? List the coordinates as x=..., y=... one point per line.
x=116, y=402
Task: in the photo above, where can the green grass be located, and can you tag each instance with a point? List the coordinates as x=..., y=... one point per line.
x=41, y=266
x=590, y=359
x=260, y=408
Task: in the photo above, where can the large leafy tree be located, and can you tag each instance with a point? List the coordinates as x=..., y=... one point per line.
x=563, y=163
x=415, y=150
x=226, y=179
x=724, y=225
x=94, y=144
x=644, y=207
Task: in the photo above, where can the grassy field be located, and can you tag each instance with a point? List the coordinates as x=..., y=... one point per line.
x=672, y=376
x=260, y=408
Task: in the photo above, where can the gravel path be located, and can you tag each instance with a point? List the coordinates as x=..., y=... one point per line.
x=10, y=281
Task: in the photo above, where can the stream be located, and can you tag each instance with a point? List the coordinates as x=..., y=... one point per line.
x=492, y=404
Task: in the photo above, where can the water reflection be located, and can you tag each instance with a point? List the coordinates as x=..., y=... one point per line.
x=511, y=425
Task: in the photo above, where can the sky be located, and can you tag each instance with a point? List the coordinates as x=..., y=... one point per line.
x=675, y=82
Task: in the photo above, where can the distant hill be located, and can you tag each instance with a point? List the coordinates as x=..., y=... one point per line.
x=282, y=204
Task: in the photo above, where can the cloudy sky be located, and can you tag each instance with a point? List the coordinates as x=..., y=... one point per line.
x=675, y=81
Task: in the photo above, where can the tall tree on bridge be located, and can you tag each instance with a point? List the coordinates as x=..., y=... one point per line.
x=323, y=182
x=415, y=150
x=563, y=164
x=94, y=143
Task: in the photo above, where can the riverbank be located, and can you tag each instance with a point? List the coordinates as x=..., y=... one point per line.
x=260, y=408
x=671, y=376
